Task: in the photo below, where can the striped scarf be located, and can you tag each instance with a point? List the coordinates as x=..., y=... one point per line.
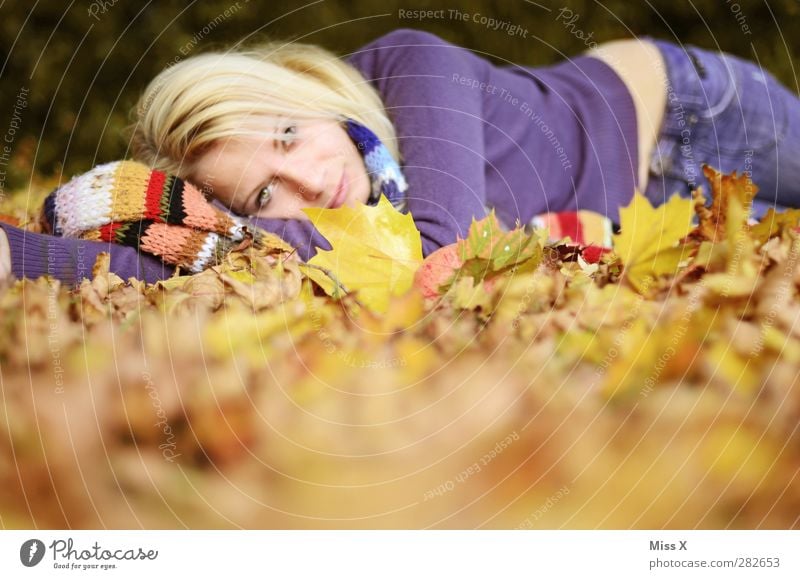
x=384, y=172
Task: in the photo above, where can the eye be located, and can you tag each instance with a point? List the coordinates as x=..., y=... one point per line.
x=265, y=195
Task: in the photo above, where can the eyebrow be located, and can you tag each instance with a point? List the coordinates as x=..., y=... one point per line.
x=252, y=197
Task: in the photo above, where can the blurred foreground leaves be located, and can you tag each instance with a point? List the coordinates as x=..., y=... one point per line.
x=554, y=393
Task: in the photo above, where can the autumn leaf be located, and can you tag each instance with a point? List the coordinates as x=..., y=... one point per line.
x=648, y=236
x=733, y=196
x=406, y=311
x=731, y=367
x=240, y=331
x=375, y=251
x=531, y=292
x=489, y=250
x=437, y=271
x=187, y=294
x=324, y=279
x=94, y=293
x=773, y=223
x=468, y=295
x=261, y=284
x=269, y=241
x=726, y=190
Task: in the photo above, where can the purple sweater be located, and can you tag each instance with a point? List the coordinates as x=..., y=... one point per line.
x=473, y=136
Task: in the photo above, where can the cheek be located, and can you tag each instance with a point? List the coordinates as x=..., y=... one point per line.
x=292, y=202
x=290, y=206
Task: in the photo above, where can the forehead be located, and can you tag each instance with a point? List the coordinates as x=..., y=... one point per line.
x=226, y=162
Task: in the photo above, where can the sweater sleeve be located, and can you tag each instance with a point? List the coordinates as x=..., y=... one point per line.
x=300, y=234
x=71, y=260
x=439, y=124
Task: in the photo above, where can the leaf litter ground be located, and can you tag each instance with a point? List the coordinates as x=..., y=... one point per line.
x=507, y=381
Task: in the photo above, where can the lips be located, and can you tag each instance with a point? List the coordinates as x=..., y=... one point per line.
x=341, y=193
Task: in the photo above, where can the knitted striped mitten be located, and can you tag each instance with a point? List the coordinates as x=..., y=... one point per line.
x=583, y=227
x=128, y=203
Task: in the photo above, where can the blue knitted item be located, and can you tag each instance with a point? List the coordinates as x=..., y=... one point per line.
x=384, y=172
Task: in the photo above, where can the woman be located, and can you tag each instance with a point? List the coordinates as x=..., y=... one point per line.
x=269, y=132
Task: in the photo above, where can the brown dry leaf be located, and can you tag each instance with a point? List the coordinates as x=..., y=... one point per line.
x=94, y=294
x=204, y=290
x=715, y=220
x=261, y=282
x=777, y=293
x=188, y=294
x=732, y=197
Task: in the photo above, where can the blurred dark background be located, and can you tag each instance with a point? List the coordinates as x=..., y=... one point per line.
x=71, y=74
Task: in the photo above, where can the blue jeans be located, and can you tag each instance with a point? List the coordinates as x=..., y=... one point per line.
x=732, y=115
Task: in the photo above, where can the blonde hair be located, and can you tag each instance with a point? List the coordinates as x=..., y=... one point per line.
x=197, y=102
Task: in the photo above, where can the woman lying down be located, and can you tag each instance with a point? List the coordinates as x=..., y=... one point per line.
x=251, y=137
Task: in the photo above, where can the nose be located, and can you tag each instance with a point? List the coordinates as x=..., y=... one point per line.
x=306, y=177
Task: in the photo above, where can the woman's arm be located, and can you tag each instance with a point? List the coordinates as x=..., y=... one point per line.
x=439, y=124
x=70, y=260
x=32, y=255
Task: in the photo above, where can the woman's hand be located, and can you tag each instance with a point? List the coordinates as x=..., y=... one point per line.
x=437, y=269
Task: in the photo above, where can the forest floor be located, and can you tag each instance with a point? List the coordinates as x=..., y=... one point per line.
x=653, y=386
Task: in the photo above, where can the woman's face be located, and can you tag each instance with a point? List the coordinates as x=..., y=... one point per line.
x=313, y=164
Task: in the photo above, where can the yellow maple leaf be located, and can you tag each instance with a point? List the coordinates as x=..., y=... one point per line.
x=376, y=250
x=647, y=238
